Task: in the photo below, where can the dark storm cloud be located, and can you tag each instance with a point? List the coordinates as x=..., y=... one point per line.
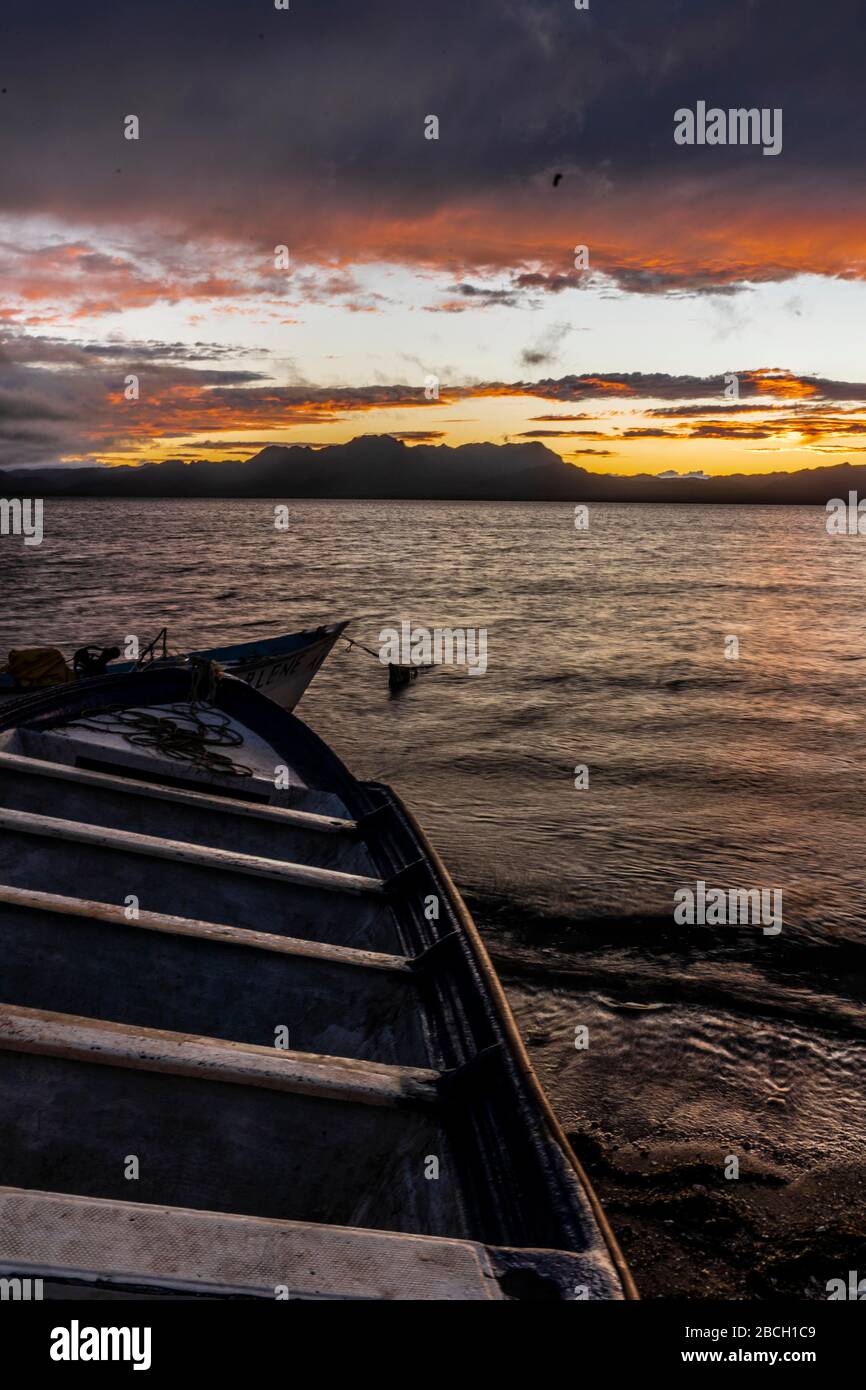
x=305, y=126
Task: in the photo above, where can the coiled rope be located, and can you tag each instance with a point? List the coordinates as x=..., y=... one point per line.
x=182, y=733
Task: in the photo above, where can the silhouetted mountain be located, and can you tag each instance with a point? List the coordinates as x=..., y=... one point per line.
x=378, y=466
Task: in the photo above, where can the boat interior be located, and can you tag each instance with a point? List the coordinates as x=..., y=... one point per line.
x=251, y=1045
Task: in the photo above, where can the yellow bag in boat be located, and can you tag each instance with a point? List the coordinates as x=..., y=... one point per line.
x=34, y=667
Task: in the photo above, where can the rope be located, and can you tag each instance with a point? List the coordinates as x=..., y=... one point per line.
x=399, y=676
x=183, y=735
x=368, y=650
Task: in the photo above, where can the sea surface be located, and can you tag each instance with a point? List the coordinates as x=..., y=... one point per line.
x=608, y=648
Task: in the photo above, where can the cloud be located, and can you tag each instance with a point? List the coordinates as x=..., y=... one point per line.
x=719, y=430
x=564, y=434
x=561, y=419
x=417, y=436
x=546, y=348
x=477, y=297
x=312, y=136
x=689, y=411
x=62, y=400
x=774, y=383
x=672, y=473
x=644, y=433
x=50, y=277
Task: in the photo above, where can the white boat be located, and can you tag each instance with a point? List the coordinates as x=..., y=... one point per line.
x=279, y=667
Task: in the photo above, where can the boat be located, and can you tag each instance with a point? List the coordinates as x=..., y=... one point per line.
x=281, y=667
x=251, y=1043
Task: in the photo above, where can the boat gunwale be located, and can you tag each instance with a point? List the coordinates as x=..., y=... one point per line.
x=232, y=654
x=236, y=653
x=519, y=1054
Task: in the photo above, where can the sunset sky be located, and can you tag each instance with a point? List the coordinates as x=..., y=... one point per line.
x=412, y=257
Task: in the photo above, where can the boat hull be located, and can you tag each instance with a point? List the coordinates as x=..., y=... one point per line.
x=280, y=668
x=285, y=677
x=302, y=983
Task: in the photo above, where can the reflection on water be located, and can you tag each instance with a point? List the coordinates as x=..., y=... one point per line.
x=606, y=648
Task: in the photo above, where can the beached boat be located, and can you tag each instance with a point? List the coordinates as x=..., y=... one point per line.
x=280, y=667
x=251, y=1044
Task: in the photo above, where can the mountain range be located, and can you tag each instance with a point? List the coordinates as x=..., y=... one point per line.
x=379, y=466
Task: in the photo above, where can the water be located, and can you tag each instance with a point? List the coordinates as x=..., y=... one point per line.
x=606, y=648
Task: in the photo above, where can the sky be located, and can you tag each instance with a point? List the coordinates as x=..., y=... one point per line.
x=429, y=287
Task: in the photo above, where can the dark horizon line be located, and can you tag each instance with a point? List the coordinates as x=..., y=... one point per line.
x=375, y=468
